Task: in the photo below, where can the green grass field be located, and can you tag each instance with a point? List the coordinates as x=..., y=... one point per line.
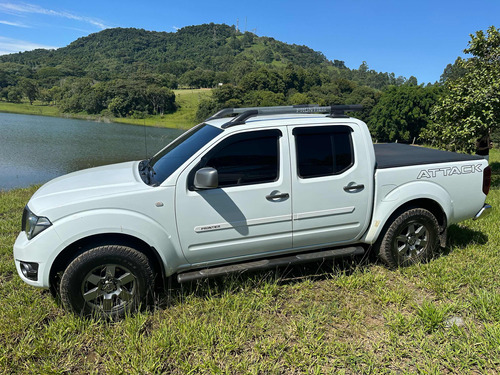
x=352, y=318
x=27, y=109
x=183, y=118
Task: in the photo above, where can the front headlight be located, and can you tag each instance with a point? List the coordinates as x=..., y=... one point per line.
x=33, y=224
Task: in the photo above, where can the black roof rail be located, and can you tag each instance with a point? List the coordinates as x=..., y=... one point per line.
x=244, y=113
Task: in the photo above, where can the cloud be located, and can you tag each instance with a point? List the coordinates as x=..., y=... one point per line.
x=20, y=8
x=9, y=45
x=17, y=24
x=176, y=28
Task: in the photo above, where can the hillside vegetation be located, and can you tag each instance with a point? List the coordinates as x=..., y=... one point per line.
x=117, y=52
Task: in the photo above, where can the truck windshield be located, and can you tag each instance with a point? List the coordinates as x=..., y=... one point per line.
x=156, y=170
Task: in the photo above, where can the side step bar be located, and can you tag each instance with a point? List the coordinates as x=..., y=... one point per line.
x=270, y=263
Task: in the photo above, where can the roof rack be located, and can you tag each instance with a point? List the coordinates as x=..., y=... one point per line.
x=242, y=114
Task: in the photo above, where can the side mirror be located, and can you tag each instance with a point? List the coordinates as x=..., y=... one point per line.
x=206, y=178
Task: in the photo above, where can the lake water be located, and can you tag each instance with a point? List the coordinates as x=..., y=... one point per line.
x=35, y=149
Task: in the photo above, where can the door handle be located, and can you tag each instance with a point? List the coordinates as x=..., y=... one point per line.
x=277, y=195
x=350, y=188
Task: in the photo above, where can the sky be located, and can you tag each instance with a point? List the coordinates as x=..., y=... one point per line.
x=406, y=37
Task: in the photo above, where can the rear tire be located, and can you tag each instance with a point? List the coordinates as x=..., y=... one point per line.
x=412, y=237
x=107, y=281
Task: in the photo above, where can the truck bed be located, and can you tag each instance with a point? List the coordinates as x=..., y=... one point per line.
x=392, y=155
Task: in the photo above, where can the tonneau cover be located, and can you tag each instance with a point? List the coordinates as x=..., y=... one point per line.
x=391, y=155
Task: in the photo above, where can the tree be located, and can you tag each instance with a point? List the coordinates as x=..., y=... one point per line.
x=4, y=93
x=161, y=99
x=266, y=79
x=29, y=87
x=206, y=108
x=45, y=96
x=294, y=78
x=240, y=69
x=264, y=98
x=118, y=106
x=402, y=113
x=221, y=95
x=14, y=94
x=339, y=64
x=367, y=97
x=453, y=71
x=471, y=104
x=412, y=81
x=299, y=98
x=94, y=99
x=363, y=68
x=198, y=78
x=55, y=93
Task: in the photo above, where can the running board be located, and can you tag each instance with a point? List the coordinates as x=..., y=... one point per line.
x=270, y=263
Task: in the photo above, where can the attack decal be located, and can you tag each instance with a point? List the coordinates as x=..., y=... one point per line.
x=449, y=171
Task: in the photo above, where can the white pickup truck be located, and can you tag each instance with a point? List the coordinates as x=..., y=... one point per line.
x=267, y=187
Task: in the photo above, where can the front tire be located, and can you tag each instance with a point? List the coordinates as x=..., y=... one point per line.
x=107, y=281
x=412, y=237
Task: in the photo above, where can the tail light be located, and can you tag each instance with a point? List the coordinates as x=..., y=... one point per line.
x=486, y=180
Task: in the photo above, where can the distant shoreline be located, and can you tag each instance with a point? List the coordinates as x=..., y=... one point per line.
x=48, y=111
x=183, y=118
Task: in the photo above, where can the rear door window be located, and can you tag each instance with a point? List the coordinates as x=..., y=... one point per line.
x=323, y=150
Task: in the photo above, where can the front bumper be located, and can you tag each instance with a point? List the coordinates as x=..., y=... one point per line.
x=38, y=251
x=483, y=212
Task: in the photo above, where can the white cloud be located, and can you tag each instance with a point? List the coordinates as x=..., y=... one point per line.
x=176, y=28
x=9, y=45
x=20, y=8
x=17, y=24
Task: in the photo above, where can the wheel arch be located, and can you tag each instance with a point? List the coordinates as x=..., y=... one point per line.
x=70, y=252
x=426, y=203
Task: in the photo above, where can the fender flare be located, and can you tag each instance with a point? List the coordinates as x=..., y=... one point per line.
x=411, y=192
x=77, y=227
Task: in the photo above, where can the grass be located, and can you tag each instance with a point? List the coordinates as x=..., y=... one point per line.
x=347, y=317
x=183, y=118
x=27, y=109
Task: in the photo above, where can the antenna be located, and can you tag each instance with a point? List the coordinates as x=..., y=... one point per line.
x=237, y=24
x=145, y=139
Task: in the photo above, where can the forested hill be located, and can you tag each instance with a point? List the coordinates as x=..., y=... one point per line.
x=216, y=52
x=114, y=52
